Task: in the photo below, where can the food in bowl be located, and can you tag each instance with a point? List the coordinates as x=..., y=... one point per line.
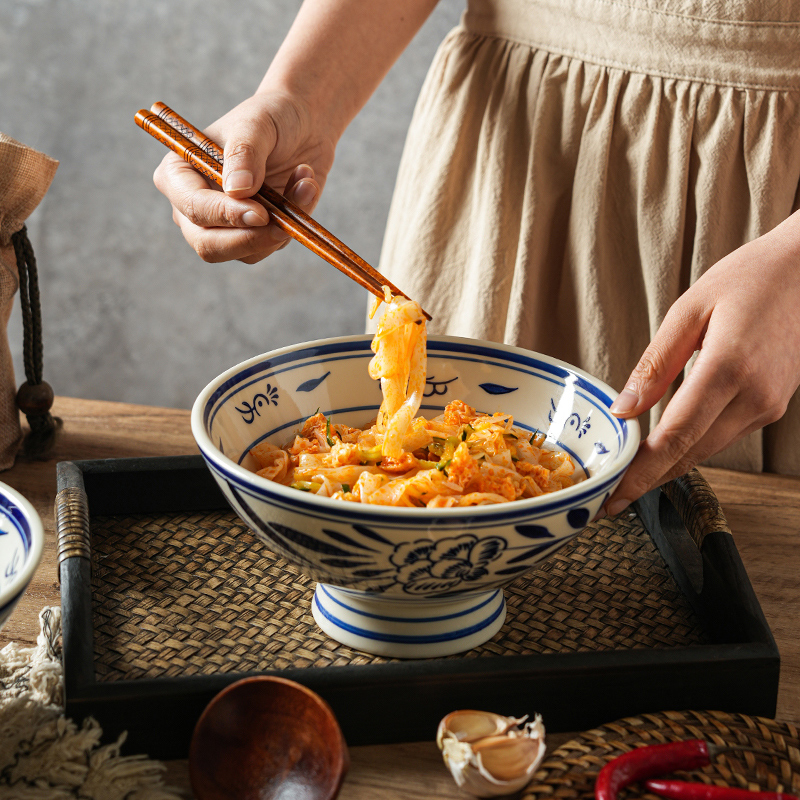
x=461, y=457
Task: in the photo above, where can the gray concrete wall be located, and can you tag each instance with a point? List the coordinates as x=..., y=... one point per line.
x=130, y=312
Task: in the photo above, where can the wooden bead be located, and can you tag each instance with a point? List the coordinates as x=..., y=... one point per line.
x=35, y=398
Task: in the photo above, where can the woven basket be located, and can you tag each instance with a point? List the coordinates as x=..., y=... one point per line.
x=570, y=772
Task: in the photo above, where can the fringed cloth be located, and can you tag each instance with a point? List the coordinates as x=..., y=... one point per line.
x=46, y=756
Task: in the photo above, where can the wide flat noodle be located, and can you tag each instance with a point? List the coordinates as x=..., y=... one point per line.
x=400, y=361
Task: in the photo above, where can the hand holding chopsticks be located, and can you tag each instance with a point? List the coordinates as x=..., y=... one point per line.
x=206, y=157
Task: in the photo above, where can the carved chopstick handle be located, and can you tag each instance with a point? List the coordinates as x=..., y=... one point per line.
x=178, y=143
x=194, y=135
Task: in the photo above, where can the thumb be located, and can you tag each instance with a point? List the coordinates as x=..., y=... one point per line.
x=247, y=147
x=663, y=360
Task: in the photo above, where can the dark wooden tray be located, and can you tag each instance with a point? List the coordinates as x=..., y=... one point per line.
x=651, y=611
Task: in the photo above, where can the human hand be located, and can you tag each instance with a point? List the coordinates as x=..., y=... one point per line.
x=267, y=138
x=743, y=316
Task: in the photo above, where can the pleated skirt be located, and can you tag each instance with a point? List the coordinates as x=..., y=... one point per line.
x=572, y=166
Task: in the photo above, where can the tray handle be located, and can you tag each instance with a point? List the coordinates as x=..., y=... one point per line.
x=75, y=575
x=73, y=534
x=698, y=506
x=686, y=522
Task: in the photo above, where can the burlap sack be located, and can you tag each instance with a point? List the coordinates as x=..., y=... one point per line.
x=25, y=176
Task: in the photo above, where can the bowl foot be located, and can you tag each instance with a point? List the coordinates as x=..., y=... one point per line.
x=408, y=628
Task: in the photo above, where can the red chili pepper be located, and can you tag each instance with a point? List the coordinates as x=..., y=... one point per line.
x=649, y=762
x=683, y=790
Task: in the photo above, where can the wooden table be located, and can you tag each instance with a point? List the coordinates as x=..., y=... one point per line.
x=763, y=512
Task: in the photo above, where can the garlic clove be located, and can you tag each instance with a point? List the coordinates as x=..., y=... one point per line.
x=508, y=759
x=457, y=757
x=499, y=763
x=469, y=726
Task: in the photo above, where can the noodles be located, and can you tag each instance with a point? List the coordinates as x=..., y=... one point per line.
x=399, y=361
x=460, y=458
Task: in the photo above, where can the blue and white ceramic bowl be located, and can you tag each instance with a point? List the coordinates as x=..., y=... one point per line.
x=410, y=582
x=21, y=545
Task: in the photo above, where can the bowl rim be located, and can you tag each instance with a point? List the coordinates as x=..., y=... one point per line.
x=229, y=468
x=23, y=578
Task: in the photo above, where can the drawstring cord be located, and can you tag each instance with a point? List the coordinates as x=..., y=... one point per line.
x=35, y=396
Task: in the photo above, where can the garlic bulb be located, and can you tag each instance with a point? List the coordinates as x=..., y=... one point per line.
x=490, y=755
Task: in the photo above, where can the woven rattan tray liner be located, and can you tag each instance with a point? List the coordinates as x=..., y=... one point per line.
x=196, y=594
x=570, y=772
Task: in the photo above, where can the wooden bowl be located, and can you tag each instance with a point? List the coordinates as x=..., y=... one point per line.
x=266, y=737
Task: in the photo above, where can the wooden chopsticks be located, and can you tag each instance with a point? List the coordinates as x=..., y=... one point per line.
x=205, y=155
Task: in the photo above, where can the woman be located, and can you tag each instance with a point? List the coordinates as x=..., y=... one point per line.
x=612, y=183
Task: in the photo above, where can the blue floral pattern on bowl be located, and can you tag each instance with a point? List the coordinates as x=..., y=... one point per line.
x=365, y=558
x=252, y=409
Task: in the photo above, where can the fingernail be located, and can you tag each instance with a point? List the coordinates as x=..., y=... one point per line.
x=251, y=219
x=304, y=193
x=626, y=401
x=617, y=507
x=238, y=180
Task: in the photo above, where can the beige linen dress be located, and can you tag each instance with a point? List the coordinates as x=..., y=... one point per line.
x=574, y=165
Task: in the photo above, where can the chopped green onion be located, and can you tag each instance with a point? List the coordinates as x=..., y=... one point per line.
x=306, y=486
x=436, y=447
x=331, y=443
x=539, y=436
x=346, y=488
x=372, y=455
